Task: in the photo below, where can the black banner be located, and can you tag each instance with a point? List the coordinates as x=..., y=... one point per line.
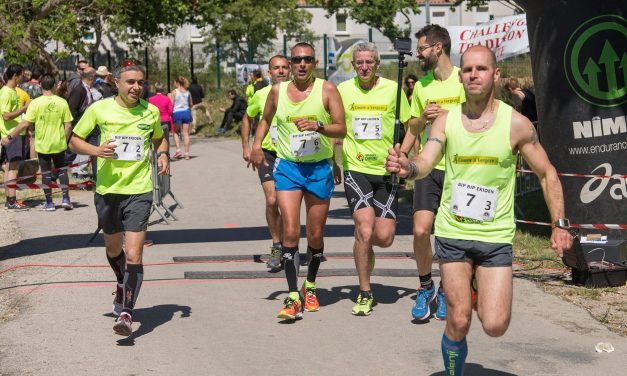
x=579, y=61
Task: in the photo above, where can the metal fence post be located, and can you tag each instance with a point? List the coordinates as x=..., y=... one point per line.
x=218, y=67
x=146, y=60
x=326, y=55
x=167, y=64
x=370, y=34
x=191, y=59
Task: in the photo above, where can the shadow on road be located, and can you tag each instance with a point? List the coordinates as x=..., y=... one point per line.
x=383, y=294
x=473, y=369
x=151, y=318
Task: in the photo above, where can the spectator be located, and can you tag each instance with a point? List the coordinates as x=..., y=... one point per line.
x=103, y=86
x=235, y=112
x=182, y=115
x=410, y=81
x=524, y=100
x=79, y=99
x=197, y=96
x=31, y=83
x=75, y=77
x=165, y=106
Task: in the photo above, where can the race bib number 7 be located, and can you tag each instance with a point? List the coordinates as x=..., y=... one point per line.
x=473, y=201
x=305, y=143
x=128, y=148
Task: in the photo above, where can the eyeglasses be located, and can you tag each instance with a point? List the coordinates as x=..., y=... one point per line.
x=366, y=62
x=422, y=48
x=298, y=59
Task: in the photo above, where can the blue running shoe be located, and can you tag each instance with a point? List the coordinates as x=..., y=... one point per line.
x=440, y=314
x=424, y=297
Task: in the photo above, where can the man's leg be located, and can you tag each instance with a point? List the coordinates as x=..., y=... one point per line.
x=362, y=249
x=273, y=218
x=456, y=278
x=10, y=173
x=133, y=277
x=317, y=211
x=423, y=222
x=494, y=298
x=117, y=261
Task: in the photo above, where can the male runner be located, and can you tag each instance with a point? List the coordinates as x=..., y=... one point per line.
x=308, y=112
x=370, y=108
x=124, y=187
x=475, y=226
x=279, y=71
x=435, y=93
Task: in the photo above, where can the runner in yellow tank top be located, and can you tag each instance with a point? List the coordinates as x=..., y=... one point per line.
x=370, y=108
x=308, y=111
x=480, y=140
x=279, y=71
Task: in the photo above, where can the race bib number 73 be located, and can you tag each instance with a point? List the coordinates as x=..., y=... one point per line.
x=473, y=201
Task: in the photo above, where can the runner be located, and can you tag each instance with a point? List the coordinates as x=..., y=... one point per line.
x=123, y=196
x=370, y=107
x=435, y=93
x=279, y=71
x=53, y=124
x=308, y=112
x=475, y=226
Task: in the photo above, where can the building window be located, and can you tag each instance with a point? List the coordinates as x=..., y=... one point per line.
x=340, y=22
x=438, y=14
x=482, y=9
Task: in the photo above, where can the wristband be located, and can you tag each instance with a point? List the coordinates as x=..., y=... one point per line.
x=160, y=153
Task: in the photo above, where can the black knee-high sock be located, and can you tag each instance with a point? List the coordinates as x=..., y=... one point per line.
x=314, y=263
x=133, y=277
x=118, y=263
x=291, y=262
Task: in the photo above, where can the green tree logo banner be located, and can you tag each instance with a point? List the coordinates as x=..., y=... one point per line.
x=596, y=68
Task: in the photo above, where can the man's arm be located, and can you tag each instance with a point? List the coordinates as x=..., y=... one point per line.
x=163, y=160
x=525, y=140
x=16, y=131
x=245, y=135
x=67, y=130
x=256, y=155
x=79, y=146
x=335, y=107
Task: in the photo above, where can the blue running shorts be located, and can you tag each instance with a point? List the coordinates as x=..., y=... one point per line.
x=182, y=117
x=315, y=178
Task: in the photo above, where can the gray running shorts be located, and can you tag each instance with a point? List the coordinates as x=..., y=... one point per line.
x=479, y=253
x=118, y=212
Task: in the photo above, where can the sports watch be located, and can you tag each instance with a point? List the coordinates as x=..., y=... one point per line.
x=320, y=126
x=562, y=223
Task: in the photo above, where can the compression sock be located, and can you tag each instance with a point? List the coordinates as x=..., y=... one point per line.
x=291, y=261
x=11, y=200
x=454, y=355
x=133, y=277
x=314, y=263
x=117, y=264
x=426, y=281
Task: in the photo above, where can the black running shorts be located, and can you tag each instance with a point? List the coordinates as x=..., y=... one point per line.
x=118, y=212
x=428, y=191
x=371, y=191
x=479, y=253
x=265, y=172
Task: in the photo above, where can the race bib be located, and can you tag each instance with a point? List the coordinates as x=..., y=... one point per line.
x=305, y=143
x=128, y=148
x=368, y=127
x=473, y=201
x=274, y=134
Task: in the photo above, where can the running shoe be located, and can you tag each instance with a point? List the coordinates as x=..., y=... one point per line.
x=123, y=325
x=311, y=300
x=67, y=204
x=292, y=309
x=117, y=301
x=364, y=305
x=424, y=297
x=440, y=314
x=274, y=262
x=47, y=206
x=18, y=205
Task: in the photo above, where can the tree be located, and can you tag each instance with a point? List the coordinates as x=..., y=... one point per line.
x=477, y=3
x=29, y=27
x=245, y=28
x=378, y=14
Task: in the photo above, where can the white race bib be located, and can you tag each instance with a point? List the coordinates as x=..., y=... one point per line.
x=473, y=201
x=274, y=134
x=128, y=148
x=305, y=143
x=368, y=127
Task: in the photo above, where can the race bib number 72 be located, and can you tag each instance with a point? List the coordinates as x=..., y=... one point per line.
x=128, y=148
x=473, y=201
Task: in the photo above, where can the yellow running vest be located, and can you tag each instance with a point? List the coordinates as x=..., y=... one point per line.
x=296, y=146
x=478, y=195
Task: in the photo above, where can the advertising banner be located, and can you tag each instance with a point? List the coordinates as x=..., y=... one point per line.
x=579, y=60
x=505, y=36
x=340, y=68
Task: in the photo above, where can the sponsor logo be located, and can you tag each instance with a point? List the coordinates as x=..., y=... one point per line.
x=291, y=119
x=597, y=127
x=368, y=107
x=444, y=101
x=144, y=127
x=595, y=61
x=360, y=157
x=596, y=186
x=475, y=159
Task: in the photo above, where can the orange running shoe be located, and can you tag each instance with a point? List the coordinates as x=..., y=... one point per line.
x=311, y=300
x=292, y=310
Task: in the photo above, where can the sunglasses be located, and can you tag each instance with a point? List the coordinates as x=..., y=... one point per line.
x=298, y=59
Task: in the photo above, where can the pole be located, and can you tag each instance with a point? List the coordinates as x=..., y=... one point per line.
x=326, y=55
x=284, y=44
x=191, y=59
x=146, y=60
x=370, y=34
x=167, y=64
x=218, y=67
x=109, y=59
x=93, y=59
x=428, y=11
x=397, y=112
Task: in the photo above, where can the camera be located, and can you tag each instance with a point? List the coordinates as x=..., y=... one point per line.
x=403, y=46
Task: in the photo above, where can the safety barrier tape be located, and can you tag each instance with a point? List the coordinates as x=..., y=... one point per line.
x=581, y=175
x=84, y=185
x=595, y=226
x=17, y=180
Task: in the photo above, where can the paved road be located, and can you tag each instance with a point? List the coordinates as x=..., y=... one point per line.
x=55, y=321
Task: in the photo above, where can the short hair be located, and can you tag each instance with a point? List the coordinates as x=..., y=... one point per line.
x=492, y=55
x=194, y=79
x=436, y=34
x=257, y=73
x=182, y=81
x=512, y=83
x=303, y=44
x=117, y=73
x=232, y=92
x=279, y=56
x=27, y=74
x=159, y=87
x=81, y=62
x=411, y=77
x=35, y=73
x=366, y=46
x=88, y=74
x=47, y=81
x=12, y=70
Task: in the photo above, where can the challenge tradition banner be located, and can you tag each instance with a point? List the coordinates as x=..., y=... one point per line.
x=505, y=36
x=579, y=59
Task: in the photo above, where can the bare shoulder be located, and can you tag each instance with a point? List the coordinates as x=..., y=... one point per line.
x=522, y=131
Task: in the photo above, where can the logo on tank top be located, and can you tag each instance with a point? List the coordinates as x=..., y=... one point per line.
x=144, y=127
x=475, y=159
x=291, y=119
x=368, y=107
x=444, y=101
x=366, y=157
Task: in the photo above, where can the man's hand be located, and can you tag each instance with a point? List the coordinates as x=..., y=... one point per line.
x=396, y=162
x=222, y=109
x=5, y=141
x=163, y=163
x=107, y=150
x=561, y=240
x=305, y=125
x=257, y=158
x=337, y=174
x=432, y=111
x=246, y=153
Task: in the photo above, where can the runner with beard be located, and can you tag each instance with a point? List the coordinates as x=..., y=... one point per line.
x=434, y=94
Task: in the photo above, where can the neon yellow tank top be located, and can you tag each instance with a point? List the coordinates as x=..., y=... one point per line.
x=296, y=146
x=255, y=107
x=478, y=195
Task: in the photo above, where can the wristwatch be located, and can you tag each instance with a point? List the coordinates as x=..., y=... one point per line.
x=160, y=153
x=562, y=223
x=10, y=137
x=320, y=126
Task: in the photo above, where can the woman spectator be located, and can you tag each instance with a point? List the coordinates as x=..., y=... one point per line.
x=164, y=104
x=410, y=81
x=182, y=115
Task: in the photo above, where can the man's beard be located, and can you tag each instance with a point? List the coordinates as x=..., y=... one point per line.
x=428, y=63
